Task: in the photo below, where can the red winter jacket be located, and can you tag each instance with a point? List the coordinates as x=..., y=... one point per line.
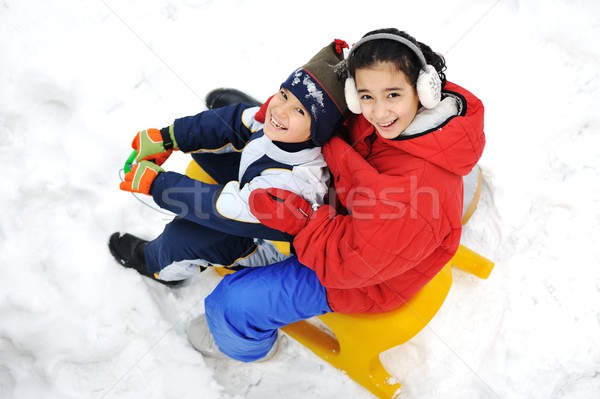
x=404, y=206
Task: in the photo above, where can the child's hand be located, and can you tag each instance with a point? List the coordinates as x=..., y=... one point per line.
x=141, y=177
x=280, y=209
x=154, y=145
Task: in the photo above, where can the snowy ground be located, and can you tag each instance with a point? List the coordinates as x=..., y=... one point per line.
x=79, y=78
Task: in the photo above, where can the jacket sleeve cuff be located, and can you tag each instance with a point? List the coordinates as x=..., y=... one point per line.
x=308, y=236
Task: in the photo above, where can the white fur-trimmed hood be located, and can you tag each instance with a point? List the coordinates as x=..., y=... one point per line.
x=428, y=119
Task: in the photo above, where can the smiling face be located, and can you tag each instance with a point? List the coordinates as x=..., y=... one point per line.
x=387, y=99
x=286, y=119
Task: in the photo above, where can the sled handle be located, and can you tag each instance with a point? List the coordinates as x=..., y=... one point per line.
x=129, y=162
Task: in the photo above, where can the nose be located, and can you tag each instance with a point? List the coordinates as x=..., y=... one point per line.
x=282, y=110
x=380, y=110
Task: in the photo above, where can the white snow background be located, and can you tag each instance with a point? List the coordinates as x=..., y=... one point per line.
x=79, y=78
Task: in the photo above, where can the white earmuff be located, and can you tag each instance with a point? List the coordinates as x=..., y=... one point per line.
x=351, y=94
x=429, y=87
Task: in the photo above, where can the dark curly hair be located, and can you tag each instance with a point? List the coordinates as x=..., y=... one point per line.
x=386, y=50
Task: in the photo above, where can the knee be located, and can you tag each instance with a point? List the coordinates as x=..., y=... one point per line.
x=231, y=297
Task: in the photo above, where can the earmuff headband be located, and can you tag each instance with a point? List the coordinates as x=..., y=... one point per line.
x=390, y=36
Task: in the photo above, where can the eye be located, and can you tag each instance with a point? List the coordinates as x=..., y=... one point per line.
x=300, y=111
x=365, y=97
x=282, y=93
x=394, y=95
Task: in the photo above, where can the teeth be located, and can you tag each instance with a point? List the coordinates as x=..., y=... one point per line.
x=387, y=124
x=277, y=125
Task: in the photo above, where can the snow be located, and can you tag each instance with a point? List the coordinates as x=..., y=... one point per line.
x=80, y=78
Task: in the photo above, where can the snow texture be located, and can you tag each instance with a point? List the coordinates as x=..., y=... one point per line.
x=80, y=78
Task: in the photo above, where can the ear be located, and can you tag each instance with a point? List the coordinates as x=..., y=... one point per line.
x=429, y=87
x=352, y=96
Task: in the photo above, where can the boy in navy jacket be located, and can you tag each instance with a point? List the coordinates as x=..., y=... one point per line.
x=245, y=148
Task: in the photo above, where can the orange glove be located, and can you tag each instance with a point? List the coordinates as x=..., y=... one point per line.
x=141, y=177
x=154, y=145
x=280, y=209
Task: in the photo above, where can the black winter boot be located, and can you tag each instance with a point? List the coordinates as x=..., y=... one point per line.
x=128, y=250
x=224, y=96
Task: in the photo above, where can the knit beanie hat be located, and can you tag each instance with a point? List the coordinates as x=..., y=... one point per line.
x=318, y=87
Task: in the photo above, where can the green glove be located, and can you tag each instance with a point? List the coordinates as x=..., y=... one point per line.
x=154, y=145
x=141, y=177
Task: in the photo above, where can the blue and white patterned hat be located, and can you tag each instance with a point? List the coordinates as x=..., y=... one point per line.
x=319, y=88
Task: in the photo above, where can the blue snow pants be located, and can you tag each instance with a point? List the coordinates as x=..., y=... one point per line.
x=247, y=307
